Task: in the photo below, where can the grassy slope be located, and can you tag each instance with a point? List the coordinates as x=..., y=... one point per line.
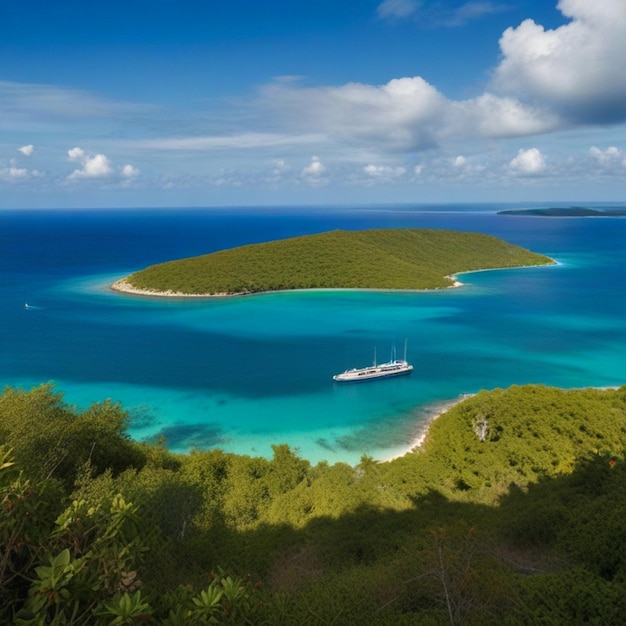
x=374, y=259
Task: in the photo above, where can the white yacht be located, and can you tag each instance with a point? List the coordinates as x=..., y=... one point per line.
x=393, y=367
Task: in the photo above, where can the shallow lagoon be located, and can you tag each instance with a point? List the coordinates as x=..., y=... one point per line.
x=244, y=373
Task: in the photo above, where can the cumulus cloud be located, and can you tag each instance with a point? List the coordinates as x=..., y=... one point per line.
x=401, y=115
x=576, y=69
x=128, y=171
x=608, y=156
x=495, y=116
x=384, y=172
x=314, y=169
x=547, y=80
x=97, y=166
x=528, y=162
x=13, y=174
x=76, y=154
x=463, y=168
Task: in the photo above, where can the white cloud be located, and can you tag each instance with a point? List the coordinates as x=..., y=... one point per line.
x=528, y=162
x=241, y=141
x=128, y=171
x=463, y=168
x=548, y=80
x=576, y=69
x=384, y=172
x=490, y=115
x=277, y=173
x=396, y=9
x=314, y=169
x=97, y=166
x=280, y=166
x=469, y=11
x=31, y=105
x=76, y=154
x=13, y=174
x=401, y=115
x=608, y=156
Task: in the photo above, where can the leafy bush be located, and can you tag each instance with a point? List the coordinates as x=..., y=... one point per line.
x=510, y=513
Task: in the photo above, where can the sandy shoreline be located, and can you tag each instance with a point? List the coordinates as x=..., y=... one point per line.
x=123, y=286
x=442, y=408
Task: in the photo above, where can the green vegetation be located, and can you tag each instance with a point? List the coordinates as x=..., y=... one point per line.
x=372, y=259
x=512, y=512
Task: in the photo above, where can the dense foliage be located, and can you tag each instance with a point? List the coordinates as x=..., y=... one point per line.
x=512, y=512
x=371, y=259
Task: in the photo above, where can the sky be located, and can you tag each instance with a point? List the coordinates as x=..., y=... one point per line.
x=148, y=103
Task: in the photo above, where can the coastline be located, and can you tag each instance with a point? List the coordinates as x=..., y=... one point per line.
x=445, y=406
x=124, y=287
x=418, y=440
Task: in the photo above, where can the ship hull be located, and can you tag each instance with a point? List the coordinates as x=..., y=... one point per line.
x=389, y=370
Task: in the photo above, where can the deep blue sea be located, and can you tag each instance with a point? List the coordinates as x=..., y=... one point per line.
x=244, y=373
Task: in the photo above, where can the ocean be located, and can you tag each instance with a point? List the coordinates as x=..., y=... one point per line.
x=244, y=373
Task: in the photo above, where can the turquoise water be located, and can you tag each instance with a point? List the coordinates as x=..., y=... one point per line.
x=244, y=373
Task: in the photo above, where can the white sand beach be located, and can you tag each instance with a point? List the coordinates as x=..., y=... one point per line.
x=123, y=286
x=432, y=415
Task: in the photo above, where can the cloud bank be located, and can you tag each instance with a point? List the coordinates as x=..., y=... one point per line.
x=576, y=70
x=547, y=83
x=547, y=80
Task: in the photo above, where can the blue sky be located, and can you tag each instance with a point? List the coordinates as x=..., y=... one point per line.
x=212, y=103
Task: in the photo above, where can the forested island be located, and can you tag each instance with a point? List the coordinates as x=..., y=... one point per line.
x=386, y=259
x=574, y=211
x=511, y=512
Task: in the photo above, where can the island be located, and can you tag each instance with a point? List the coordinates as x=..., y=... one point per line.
x=382, y=259
x=574, y=211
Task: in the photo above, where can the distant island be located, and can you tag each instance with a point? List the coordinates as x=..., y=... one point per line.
x=574, y=211
x=385, y=259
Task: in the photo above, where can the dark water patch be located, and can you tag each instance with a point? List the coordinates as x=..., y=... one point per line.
x=188, y=436
x=142, y=417
x=325, y=444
